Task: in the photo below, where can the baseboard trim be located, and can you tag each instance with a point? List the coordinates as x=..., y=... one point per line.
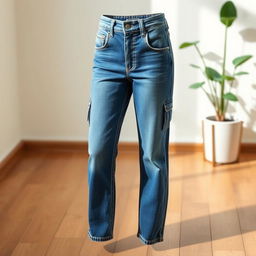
x=11, y=159
x=33, y=145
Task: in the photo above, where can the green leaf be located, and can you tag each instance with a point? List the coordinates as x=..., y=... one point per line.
x=196, y=85
x=240, y=60
x=187, y=44
x=212, y=74
x=194, y=66
x=228, y=13
x=230, y=96
x=229, y=78
x=241, y=73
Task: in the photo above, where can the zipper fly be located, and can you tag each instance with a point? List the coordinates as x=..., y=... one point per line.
x=130, y=52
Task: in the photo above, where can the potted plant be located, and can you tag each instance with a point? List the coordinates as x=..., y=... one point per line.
x=221, y=133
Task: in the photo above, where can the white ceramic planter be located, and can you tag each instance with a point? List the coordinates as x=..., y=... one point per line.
x=222, y=140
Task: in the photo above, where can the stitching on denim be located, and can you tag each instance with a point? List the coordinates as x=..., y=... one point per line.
x=134, y=55
x=125, y=57
x=155, y=48
x=113, y=159
x=105, y=44
x=141, y=164
x=131, y=17
x=165, y=203
x=146, y=16
x=99, y=238
x=167, y=182
x=147, y=28
x=138, y=231
x=145, y=241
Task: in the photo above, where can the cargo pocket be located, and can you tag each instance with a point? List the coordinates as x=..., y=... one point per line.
x=167, y=116
x=89, y=111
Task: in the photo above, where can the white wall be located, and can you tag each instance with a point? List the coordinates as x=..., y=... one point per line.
x=55, y=40
x=199, y=20
x=9, y=100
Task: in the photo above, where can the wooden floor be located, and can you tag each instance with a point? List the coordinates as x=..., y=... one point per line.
x=211, y=211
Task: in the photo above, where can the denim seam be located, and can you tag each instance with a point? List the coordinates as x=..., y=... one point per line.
x=154, y=48
x=134, y=30
x=165, y=210
x=134, y=55
x=112, y=164
x=125, y=59
x=167, y=188
x=165, y=207
x=99, y=238
x=141, y=166
x=105, y=44
x=164, y=216
x=151, y=241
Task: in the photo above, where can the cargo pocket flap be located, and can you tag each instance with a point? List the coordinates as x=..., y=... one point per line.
x=168, y=106
x=167, y=114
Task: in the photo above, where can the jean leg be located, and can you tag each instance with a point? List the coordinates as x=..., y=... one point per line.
x=109, y=102
x=150, y=97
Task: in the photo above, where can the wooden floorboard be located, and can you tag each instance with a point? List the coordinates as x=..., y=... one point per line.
x=211, y=210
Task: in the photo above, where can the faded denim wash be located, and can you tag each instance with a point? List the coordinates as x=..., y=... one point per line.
x=133, y=55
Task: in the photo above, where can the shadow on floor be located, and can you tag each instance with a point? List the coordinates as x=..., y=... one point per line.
x=195, y=231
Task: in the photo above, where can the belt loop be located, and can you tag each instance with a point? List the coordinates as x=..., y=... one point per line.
x=113, y=22
x=142, y=28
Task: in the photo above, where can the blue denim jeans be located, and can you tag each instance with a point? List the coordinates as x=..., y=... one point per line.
x=133, y=55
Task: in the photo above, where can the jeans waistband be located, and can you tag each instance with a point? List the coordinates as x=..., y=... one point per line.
x=140, y=22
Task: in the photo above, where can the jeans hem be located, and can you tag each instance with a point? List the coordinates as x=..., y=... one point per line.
x=151, y=241
x=99, y=238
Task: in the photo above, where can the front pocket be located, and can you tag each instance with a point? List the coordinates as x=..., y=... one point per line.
x=89, y=112
x=167, y=115
x=157, y=39
x=101, y=40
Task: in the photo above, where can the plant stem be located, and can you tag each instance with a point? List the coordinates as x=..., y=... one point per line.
x=216, y=97
x=231, y=84
x=223, y=72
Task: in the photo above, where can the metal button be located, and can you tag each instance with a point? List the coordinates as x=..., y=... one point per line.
x=127, y=25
